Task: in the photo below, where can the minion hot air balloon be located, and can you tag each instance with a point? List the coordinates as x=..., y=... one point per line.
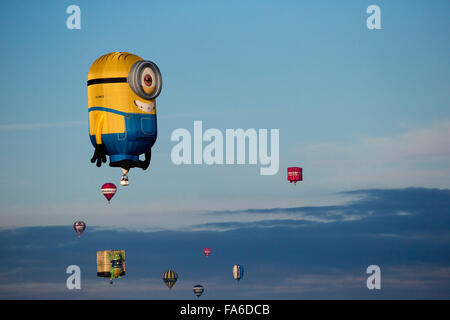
x=111, y=264
x=122, y=91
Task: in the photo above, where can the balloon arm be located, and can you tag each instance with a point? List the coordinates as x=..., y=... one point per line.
x=99, y=155
x=99, y=129
x=144, y=164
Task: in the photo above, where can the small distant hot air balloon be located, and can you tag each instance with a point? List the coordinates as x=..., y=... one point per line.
x=294, y=174
x=109, y=190
x=170, y=277
x=238, y=272
x=111, y=264
x=124, y=181
x=79, y=227
x=207, y=251
x=198, y=290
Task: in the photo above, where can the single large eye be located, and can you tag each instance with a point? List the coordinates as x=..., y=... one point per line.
x=147, y=82
x=145, y=79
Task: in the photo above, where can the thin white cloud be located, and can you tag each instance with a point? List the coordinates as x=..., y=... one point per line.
x=402, y=281
x=41, y=125
x=424, y=277
x=416, y=158
x=424, y=144
x=187, y=115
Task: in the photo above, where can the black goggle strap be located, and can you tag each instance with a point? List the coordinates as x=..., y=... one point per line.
x=106, y=80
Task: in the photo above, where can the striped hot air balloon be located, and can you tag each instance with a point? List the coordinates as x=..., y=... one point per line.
x=79, y=227
x=109, y=190
x=207, y=251
x=170, y=277
x=198, y=290
x=238, y=272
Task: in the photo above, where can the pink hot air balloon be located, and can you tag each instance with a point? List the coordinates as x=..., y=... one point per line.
x=207, y=251
x=294, y=174
x=79, y=227
x=109, y=190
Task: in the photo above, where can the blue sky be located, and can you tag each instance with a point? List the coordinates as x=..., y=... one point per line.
x=358, y=109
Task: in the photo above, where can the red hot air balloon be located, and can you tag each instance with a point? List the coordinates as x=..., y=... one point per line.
x=109, y=190
x=294, y=174
x=207, y=251
x=79, y=227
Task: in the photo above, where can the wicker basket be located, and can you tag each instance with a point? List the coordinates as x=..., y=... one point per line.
x=104, y=265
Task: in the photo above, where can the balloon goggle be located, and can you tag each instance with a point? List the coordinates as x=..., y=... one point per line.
x=144, y=79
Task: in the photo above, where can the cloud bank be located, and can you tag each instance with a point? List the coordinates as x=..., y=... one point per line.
x=404, y=231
